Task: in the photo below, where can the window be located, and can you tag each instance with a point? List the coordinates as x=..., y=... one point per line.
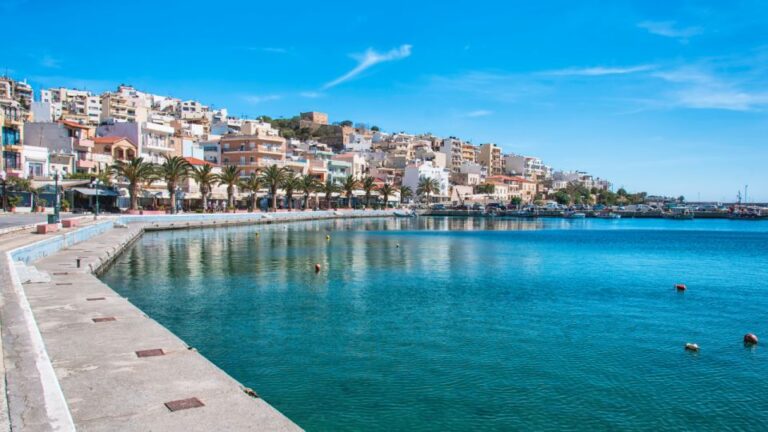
x=35, y=169
x=12, y=160
x=10, y=136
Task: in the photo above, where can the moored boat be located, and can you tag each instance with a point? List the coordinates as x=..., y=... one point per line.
x=678, y=213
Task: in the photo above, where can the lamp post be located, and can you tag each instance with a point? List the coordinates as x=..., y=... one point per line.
x=57, y=204
x=96, y=183
x=3, y=179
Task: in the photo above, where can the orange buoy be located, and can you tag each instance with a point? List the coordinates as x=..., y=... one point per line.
x=317, y=268
x=691, y=347
x=680, y=287
x=750, y=339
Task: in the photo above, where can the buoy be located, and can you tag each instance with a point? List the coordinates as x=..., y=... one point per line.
x=397, y=245
x=327, y=236
x=317, y=268
x=750, y=339
x=680, y=287
x=691, y=347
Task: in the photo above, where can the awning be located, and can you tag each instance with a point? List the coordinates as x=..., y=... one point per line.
x=95, y=192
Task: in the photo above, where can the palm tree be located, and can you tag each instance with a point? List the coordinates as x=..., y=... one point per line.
x=405, y=193
x=328, y=188
x=368, y=184
x=173, y=170
x=386, y=190
x=136, y=172
x=205, y=178
x=307, y=185
x=273, y=178
x=230, y=176
x=252, y=184
x=349, y=184
x=291, y=183
x=427, y=186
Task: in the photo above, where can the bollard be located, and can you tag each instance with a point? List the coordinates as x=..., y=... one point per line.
x=78, y=263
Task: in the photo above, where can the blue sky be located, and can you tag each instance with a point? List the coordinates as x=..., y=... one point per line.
x=668, y=97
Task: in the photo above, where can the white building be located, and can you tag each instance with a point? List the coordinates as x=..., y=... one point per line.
x=414, y=172
x=526, y=166
x=75, y=105
x=452, y=148
x=35, y=161
x=153, y=140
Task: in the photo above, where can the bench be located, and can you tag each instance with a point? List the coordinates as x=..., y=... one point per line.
x=70, y=223
x=47, y=228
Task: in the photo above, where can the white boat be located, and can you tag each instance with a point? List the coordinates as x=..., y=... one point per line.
x=574, y=215
x=679, y=213
x=608, y=216
x=404, y=213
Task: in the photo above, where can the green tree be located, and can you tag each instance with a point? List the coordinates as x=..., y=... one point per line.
x=349, y=184
x=291, y=183
x=205, y=179
x=229, y=176
x=307, y=185
x=563, y=197
x=368, y=184
x=346, y=123
x=516, y=201
x=375, y=128
x=386, y=190
x=273, y=178
x=135, y=172
x=252, y=184
x=329, y=188
x=173, y=170
x=427, y=187
x=405, y=193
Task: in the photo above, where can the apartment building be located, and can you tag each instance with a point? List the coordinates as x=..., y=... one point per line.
x=490, y=157
x=153, y=141
x=414, y=173
x=518, y=186
x=70, y=145
x=529, y=167
x=469, y=152
x=453, y=149
x=75, y=105
x=12, y=117
x=259, y=146
x=124, y=105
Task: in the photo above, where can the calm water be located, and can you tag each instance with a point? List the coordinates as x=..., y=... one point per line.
x=473, y=324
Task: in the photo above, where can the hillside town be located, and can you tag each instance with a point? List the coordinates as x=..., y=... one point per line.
x=76, y=138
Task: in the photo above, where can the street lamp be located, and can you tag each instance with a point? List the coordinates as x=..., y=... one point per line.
x=57, y=206
x=96, y=183
x=3, y=179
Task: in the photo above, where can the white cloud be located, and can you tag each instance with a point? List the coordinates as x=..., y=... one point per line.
x=311, y=94
x=600, y=71
x=479, y=113
x=50, y=62
x=698, y=88
x=368, y=59
x=669, y=29
x=257, y=99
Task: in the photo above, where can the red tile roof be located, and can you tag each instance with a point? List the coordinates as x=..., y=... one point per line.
x=109, y=139
x=197, y=162
x=74, y=124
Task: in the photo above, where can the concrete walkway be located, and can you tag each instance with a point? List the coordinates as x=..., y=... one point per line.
x=118, y=368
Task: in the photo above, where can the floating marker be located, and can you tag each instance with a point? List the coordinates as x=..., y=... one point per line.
x=680, y=287
x=750, y=339
x=317, y=268
x=327, y=236
x=691, y=347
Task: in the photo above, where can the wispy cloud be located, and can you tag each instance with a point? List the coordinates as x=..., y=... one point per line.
x=699, y=88
x=257, y=99
x=599, y=71
x=50, y=62
x=369, y=59
x=669, y=29
x=479, y=113
x=311, y=94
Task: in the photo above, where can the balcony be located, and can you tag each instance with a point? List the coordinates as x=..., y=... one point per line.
x=274, y=150
x=83, y=143
x=85, y=164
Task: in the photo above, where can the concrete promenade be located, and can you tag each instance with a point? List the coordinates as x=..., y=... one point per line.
x=78, y=356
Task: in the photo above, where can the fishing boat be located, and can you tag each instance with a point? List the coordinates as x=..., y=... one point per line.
x=608, y=216
x=678, y=213
x=405, y=213
x=574, y=215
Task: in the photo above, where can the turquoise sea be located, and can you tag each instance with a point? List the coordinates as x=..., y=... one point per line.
x=438, y=324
